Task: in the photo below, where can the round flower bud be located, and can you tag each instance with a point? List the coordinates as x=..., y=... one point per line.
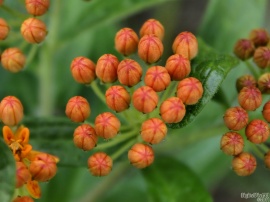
x=33, y=30
x=178, y=67
x=153, y=130
x=152, y=26
x=145, y=99
x=267, y=159
x=126, y=41
x=232, y=143
x=11, y=111
x=259, y=37
x=245, y=81
x=264, y=83
x=100, y=164
x=84, y=137
x=117, y=98
x=4, y=29
x=23, y=199
x=235, y=118
x=190, y=90
x=185, y=44
x=141, y=155
x=37, y=7
x=158, y=78
x=78, y=109
x=150, y=48
x=172, y=110
x=266, y=111
x=250, y=98
x=244, y=164
x=22, y=174
x=257, y=131
x=244, y=49
x=261, y=57
x=83, y=70
x=13, y=60
x=107, y=125
x=106, y=68
x=129, y=72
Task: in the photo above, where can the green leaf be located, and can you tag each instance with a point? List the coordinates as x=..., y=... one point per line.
x=168, y=180
x=7, y=173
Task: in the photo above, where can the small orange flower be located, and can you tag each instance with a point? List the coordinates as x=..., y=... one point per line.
x=23, y=199
x=33, y=188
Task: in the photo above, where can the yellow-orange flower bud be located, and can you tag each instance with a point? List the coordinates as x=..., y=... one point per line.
x=244, y=164
x=78, y=109
x=4, y=29
x=264, y=83
x=84, y=137
x=13, y=59
x=261, y=57
x=33, y=30
x=152, y=26
x=260, y=37
x=100, y=164
x=141, y=155
x=22, y=174
x=37, y=7
x=106, y=68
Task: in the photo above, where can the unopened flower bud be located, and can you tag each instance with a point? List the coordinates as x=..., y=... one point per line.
x=244, y=49
x=152, y=26
x=245, y=81
x=257, y=131
x=84, y=137
x=264, y=83
x=23, y=199
x=158, y=78
x=259, y=37
x=244, y=164
x=100, y=164
x=78, y=109
x=1, y=2
x=150, y=48
x=250, y=98
x=37, y=7
x=33, y=189
x=33, y=30
x=141, y=155
x=4, y=29
x=232, y=143
x=267, y=159
x=261, y=57
x=235, y=118
x=266, y=111
x=13, y=59
x=22, y=174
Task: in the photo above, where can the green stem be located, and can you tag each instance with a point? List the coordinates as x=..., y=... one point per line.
x=98, y=91
x=122, y=149
x=13, y=12
x=264, y=147
x=257, y=151
x=252, y=70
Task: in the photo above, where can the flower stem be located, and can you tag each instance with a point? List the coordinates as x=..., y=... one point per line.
x=13, y=12
x=122, y=149
x=98, y=91
x=251, y=69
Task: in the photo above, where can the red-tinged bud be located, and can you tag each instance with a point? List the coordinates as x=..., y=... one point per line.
x=11, y=111
x=23, y=199
x=150, y=48
x=158, y=78
x=264, y=83
x=141, y=155
x=78, y=109
x=266, y=111
x=83, y=70
x=100, y=164
x=245, y=81
x=33, y=30
x=152, y=26
x=145, y=99
x=267, y=159
x=235, y=118
x=107, y=125
x=185, y=44
x=34, y=189
x=232, y=143
x=244, y=49
x=153, y=130
x=4, y=29
x=257, y=131
x=37, y=7
x=172, y=110
x=129, y=72
x=117, y=98
x=84, y=137
x=106, y=68
x=13, y=60
x=250, y=98
x=22, y=174
x=126, y=41
x=1, y=2
x=178, y=67
x=244, y=164
x=262, y=57
x=260, y=37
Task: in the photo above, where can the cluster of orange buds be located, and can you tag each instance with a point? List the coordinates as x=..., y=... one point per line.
x=250, y=97
x=140, y=96
x=32, y=166
x=33, y=30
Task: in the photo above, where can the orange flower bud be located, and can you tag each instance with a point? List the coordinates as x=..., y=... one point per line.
x=178, y=67
x=244, y=164
x=257, y=131
x=4, y=29
x=107, y=125
x=78, y=109
x=37, y=7
x=126, y=41
x=23, y=199
x=13, y=60
x=152, y=26
x=145, y=99
x=100, y=164
x=267, y=159
x=262, y=57
x=266, y=111
x=186, y=45
x=33, y=188
x=158, y=78
x=11, y=111
x=33, y=30
x=129, y=72
x=259, y=37
x=235, y=118
x=232, y=143
x=153, y=130
x=250, y=98
x=85, y=137
x=150, y=48
x=141, y=155
x=117, y=98
x=22, y=174
x=244, y=49
x=1, y=2
x=106, y=68
x=172, y=110
x=190, y=90
x=245, y=81
x=264, y=83
x=83, y=70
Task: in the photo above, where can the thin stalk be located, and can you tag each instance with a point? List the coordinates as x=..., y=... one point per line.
x=13, y=12
x=123, y=149
x=97, y=91
x=252, y=70
x=264, y=147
